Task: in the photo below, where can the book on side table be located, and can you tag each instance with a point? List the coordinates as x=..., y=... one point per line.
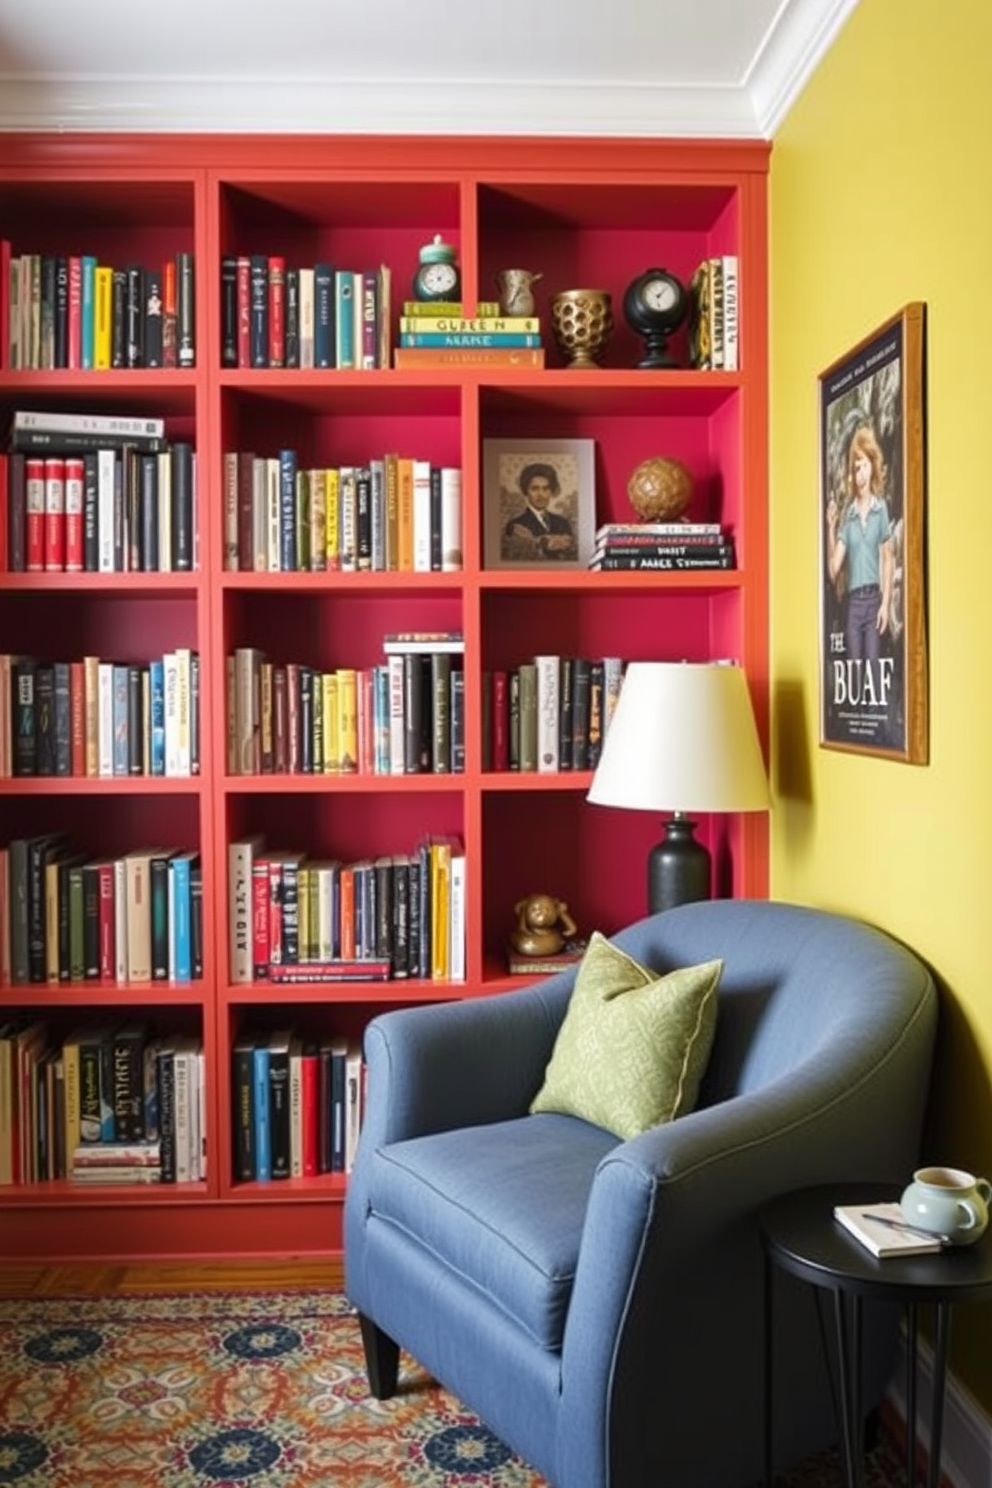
x=882, y=1229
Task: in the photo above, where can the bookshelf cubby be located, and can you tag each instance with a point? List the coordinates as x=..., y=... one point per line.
x=582, y=212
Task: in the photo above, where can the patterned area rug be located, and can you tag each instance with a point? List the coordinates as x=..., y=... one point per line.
x=255, y=1390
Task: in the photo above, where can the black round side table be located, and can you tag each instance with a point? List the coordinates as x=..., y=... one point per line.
x=802, y=1237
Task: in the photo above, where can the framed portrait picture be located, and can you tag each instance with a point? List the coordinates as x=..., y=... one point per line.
x=873, y=644
x=539, y=498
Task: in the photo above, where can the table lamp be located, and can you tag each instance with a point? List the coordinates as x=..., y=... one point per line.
x=682, y=739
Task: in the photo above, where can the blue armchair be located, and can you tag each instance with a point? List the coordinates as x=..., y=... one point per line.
x=599, y=1304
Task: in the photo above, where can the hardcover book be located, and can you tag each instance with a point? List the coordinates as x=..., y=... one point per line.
x=520, y=964
x=468, y=356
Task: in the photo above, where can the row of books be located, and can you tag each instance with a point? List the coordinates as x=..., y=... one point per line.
x=100, y=718
x=665, y=546
x=109, y=509
x=714, y=314
x=66, y=916
x=274, y=314
x=549, y=714
x=297, y=919
x=296, y=1105
x=403, y=717
x=392, y=514
x=108, y=1103
x=71, y=310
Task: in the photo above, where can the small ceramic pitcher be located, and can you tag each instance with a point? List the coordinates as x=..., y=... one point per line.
x=515, y=294
x=948, y=1201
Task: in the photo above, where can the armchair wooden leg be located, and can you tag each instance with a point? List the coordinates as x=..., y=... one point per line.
x=382, y=1359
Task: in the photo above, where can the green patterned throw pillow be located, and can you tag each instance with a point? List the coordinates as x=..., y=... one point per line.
x=633, y=1045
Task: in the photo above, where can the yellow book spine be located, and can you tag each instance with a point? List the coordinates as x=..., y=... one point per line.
x=52, y=921
x=391, y=484
x=440, y=908
x=332, y=519
x=348, y=720
x=70, y=1078
x=318, y=520
x=451, y=325
x=405, y=508
x=103, y=317
x=332, y=727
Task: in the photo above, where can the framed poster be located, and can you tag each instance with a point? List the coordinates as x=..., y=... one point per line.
x=873, y=654
x=540, y=503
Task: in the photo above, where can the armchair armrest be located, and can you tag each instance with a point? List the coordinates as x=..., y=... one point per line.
x=460, y=1064
x=669, y=1217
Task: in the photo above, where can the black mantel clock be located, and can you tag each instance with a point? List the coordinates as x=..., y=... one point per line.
x=655, y=305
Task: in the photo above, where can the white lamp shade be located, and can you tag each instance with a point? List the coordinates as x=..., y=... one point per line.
x=682, y=738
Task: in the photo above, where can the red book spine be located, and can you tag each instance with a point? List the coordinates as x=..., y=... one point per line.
x=75, y=321
x=347, y=927
x=54, y=515
x=35, y=518
x=366, y=721
x=277, y=312
x=260, y=918
x=74, y=515
x=77, y=717
x=108, y=942
x=275, y=913
x=310, y=1106
x=244, y=311
x=169, y=333
x=500, y=721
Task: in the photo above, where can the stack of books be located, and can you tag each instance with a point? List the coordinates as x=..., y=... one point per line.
x=116, y=1162
x=662, y=545
x=440, y=334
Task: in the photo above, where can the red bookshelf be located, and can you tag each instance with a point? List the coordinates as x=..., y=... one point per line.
x=583, y=212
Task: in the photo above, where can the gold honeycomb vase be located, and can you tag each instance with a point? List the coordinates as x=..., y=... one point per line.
x=582, y=322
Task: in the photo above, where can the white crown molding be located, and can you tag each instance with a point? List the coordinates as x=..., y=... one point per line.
x=796, y=40
x=370, y=106
x=801, y=36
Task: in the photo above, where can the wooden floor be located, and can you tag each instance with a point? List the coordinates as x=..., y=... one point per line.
x=21, y=1279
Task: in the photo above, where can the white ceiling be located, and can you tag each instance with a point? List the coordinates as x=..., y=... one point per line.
x=608, y=67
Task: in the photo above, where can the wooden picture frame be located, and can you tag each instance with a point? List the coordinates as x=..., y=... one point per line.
x=873, y=645
x=561, y=473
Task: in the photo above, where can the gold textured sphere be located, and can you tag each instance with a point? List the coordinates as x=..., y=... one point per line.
x=660, y=489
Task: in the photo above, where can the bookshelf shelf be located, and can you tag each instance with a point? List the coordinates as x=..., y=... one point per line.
x=580, y=212
x=345, y=785
x=95, y=785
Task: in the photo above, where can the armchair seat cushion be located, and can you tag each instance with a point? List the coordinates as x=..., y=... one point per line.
x=502, y=1208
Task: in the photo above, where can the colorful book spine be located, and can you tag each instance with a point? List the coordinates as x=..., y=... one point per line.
x=470, y=339
x=263, y=1133
x=468, y=356
x=87, y=352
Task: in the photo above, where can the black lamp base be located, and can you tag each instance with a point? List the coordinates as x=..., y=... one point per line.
x=679, y=870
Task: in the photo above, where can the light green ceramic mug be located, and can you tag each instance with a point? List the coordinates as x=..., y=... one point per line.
x=948, y=1201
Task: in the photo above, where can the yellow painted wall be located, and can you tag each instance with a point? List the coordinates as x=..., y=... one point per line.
x=881, y=193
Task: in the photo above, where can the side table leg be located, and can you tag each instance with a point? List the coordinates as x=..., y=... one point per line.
x=912, y=1338
x=849, y=1361
x=769, y=1374
x=942, y=1312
